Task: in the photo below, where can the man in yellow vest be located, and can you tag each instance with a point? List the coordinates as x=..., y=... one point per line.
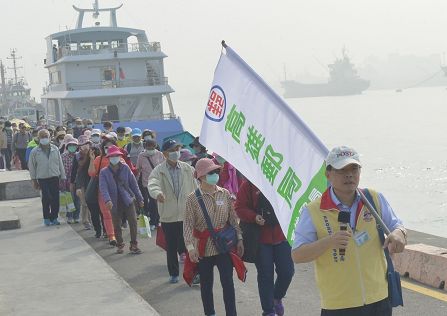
x=350, y=265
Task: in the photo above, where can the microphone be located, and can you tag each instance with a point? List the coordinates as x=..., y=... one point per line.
x=344, y=219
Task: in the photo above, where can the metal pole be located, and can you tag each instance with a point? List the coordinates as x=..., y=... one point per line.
x=374, y=212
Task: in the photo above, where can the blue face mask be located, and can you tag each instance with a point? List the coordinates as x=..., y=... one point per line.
x=114, y=160
x=212, y=179
x=174, y=156
x=44, y=141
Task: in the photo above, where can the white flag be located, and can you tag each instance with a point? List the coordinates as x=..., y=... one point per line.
x=253, y=128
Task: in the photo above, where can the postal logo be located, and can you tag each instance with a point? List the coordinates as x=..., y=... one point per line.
x=215, y=108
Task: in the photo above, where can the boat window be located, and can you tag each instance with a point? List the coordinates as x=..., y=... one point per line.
x=86, y=45
x=55, y=77
x=73, y=46
x=102, y=45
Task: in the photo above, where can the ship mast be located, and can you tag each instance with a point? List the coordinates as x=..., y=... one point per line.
x=96, y=10
x=3, y=92
x=14, y=63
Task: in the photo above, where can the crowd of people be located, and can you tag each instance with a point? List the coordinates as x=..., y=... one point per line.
x=209, y=213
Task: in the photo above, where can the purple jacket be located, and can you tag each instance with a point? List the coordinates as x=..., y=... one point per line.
x=109, y=188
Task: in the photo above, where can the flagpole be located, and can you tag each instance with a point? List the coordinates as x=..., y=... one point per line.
x=374, y=212
x=224, y=45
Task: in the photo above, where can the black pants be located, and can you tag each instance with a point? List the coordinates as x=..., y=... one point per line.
x=150, y=207
x=380, y=308
x=50, y=197
x=21, y=153
x=95, y=213
x=175, y=244
x=206, y=271
x=7, y=153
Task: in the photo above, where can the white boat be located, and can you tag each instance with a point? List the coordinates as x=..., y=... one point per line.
x=108, y=73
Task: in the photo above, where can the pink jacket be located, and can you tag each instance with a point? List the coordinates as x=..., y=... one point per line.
x=144, y=167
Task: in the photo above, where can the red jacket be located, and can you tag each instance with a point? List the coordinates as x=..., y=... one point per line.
x=245, y=206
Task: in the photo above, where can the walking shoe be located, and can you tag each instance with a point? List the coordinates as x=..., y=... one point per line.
x=70, y=221
x=182, y=258
x=112, y=242
x=153, y=227
x=134, y=249
x=196, y=280
x=55, y=222
x=120, y=248
x=173, y=279
x=279, y=307
x=87, y=226
x=46, y=222
x=124, y=225
x=98, y=235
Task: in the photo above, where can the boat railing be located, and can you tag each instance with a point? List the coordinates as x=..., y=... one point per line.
x=111, y=84
x=104, y=49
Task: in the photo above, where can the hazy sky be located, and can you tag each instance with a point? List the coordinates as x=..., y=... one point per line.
x=267, y=34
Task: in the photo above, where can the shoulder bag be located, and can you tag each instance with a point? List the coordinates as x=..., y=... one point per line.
x=225, y=239
x=393, y=277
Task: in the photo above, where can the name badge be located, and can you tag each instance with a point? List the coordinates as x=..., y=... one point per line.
x=219, y=202
x=361, y=238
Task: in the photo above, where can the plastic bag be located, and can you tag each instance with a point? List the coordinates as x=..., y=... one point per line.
x=70, y=203
x=62, y=204
x=144, y=230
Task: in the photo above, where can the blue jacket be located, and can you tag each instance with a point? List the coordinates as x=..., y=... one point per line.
x=109, y=188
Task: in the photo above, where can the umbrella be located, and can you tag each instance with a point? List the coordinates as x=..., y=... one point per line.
x=19, y=121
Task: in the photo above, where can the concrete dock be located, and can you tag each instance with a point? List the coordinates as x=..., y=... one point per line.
x=65, y=270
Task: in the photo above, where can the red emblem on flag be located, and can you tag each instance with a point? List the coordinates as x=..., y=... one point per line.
x=215, y=108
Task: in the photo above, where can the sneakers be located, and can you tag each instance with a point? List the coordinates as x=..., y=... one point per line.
x=46, y=222
x=173, y=279
x=196, y=280
x=279, y=307
x=55, y=222
x=124, y=225
x=153, y=227
x=70, y=221
x=112, y=242
x=87, y=226
x=182, y=258
x=134, y=249
x=120, y=248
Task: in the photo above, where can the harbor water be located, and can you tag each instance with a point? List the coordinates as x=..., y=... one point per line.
x=402, y=140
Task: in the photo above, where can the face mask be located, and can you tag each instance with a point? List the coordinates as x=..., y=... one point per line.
x=149, y=137
x=114, y=160
x=89, y=125
x=212, y=178
x=69, y=125
x=44, y=141
x=95, y=139
x=79, y=125
x=120, y=137
x=150, y=152
x=72, y=149
x=174, y=156
x=85, y=147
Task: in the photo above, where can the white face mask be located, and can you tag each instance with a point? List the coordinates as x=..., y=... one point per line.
x=95, y=139
x=114, y=160
x=44, y=141
x=174, y=156
x=150, y=152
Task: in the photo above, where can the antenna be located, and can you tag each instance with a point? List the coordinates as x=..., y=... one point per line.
x=14, y=62
x=96, y=9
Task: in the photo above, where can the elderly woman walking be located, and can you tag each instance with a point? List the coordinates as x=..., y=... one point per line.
x=199, y=239
x=119, y=190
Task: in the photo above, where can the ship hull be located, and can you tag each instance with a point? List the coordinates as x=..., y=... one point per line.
x=294, y=89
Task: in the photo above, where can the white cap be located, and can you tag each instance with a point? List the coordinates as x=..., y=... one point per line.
x=113, y=134
x=340, y=157
x=96, y=131
x=128, y=130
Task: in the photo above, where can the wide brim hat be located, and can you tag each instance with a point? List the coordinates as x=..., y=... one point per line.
x=83, y=140
x=114, y=151
x=186, y=155
x=205, y=166
x=60, y=133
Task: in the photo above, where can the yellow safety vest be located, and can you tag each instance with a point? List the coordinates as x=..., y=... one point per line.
x=359, y=277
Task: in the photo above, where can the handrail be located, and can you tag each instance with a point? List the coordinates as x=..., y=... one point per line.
x=121, y=48
x=111, y=84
